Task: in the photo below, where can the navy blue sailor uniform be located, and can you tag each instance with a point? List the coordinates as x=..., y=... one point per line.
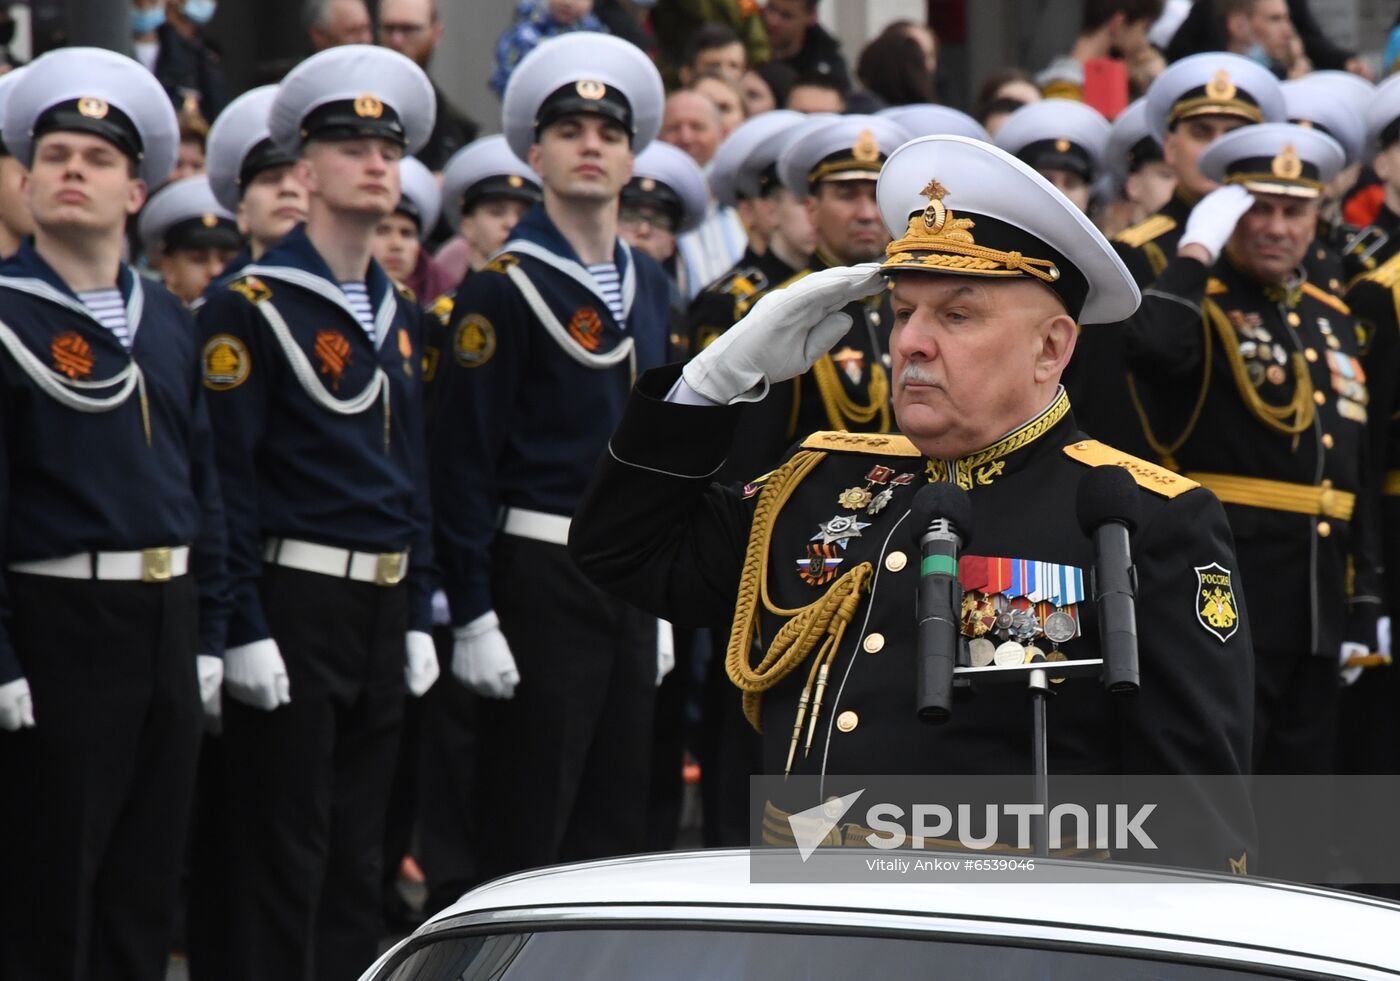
x=1264, y=396
x=533, y=374
x=319, y=432
x=111, y=510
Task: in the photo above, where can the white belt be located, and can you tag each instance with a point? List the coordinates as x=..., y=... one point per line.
x=380, y=568
x=146, y=565
x=552, y=528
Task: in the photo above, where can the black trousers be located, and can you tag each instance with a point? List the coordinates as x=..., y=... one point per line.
x=308, y=783
x=1295, y=713
x=97, y=796
x=206, y=903
x=730, y=752
x=564, y=763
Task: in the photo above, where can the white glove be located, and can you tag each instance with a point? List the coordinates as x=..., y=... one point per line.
x=420, y=670
x=782, y=336
x=481, y=658
x=16, y=705
x=1383, y=636
x=1349, y=649
x=1212, y=221
x=256, y=675
x=665, y=650
x=210, y=671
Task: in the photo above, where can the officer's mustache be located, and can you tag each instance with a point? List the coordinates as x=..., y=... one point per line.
x=916, y=373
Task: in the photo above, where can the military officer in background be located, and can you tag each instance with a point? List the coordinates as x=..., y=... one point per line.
x=15, y=219
x=113, y=598
x=1063, y=140
x=252, y=177
x=744, y=176
x=312, y=361
x=1142, y=180
x=1189, y=105
x=1258, y=369
x=187, y=236
x=992, y=269
x=544, y=345
x=1381, y=239
x=666, y=197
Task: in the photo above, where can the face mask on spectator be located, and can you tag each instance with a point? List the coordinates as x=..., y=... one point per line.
x=1257, y=53
x=146, y=21
x=200, y=11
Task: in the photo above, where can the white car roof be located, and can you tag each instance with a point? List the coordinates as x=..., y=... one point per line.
x=1261, y=920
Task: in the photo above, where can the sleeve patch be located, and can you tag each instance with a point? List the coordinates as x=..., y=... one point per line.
x=251, y=288
x=474, y=341
x=226, y=363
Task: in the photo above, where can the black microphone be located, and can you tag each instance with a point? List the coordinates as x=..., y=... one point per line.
x=941, y=520
x=1107, y=507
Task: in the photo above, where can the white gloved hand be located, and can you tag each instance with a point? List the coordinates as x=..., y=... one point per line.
x=16, y=705
x=481, y=658
x=782, y=336
x=210, y=671
x=665, y=650
x=1212, y=221
x=1383, y=636
x=420, y=669
x=256, y=675
x=1349, y=649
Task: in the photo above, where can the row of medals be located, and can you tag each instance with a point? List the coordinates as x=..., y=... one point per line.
x=1017, y=631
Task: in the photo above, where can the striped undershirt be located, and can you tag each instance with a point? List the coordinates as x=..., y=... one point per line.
x=110, y=310
x=358, y=295
x=605, y=274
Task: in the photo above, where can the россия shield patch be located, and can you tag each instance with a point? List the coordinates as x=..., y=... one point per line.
x=1216, y=608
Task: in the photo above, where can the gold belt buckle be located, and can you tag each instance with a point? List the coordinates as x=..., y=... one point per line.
x=389, y=571
x=155, y=565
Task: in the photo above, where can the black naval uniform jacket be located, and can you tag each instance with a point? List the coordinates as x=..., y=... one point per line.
x=75, y=480
x=1216, y=357
x=522, y=410
x=292, y=467
x=655, y=530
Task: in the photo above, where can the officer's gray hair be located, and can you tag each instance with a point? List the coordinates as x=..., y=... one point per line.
x=317, y=13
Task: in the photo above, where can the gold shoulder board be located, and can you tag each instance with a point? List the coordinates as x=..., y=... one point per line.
x=1387, y=274
x=501, y=263
x=251, y=288
x=442, y=308
x=878, y=444
x=1146, y=230
x=1149, y=476
x=1320, y=294
x=1215, y=287
x=405, y=292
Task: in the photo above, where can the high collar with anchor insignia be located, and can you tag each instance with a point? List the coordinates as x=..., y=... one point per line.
x=1007, y=455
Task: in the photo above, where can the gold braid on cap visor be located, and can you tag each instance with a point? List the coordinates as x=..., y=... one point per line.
x=938, y=239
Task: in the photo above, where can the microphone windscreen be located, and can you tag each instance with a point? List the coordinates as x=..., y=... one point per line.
x=1107, y=493
x=941, y=500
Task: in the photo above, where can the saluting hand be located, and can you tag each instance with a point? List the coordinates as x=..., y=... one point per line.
x=782, y=336
x=1212, y=221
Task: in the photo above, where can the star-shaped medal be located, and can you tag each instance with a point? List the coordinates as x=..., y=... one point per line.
x=840, y=528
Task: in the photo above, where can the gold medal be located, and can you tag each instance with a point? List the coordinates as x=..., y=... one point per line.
x=854, y=498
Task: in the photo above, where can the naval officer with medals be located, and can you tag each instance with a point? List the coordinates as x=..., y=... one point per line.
x=1256, y=371
x=113, y=596
x=312, y=362
x=544, y=345
x=991, y=270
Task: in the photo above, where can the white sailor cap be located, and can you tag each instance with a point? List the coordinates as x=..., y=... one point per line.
x=583, y=72
x=7, y=84
x=1213, y=83
x=928, y=119
x=351, y=92
x=1383, y=114
x=485, y=168
x=963, y=207
x=1316, y=103
x=1275, y=158
x=184, y=214
x=745, y=165
x=666, y=178
x=1130, y=142
x=1060, y=134
x=92, y=90
x=843, y=148
x=419, y=196
x=240, y=145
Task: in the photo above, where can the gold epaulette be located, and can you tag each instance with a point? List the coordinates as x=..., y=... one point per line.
x=1145, y=231
x=442, y=308
x=501, y=263
x=739, y=286
x=878, y=444
x=743, y=304
x=251, y=288
x=1331, y=299
x=1387, y=274
x=405, y=292
x=1149, y=476
x=1215, y=287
